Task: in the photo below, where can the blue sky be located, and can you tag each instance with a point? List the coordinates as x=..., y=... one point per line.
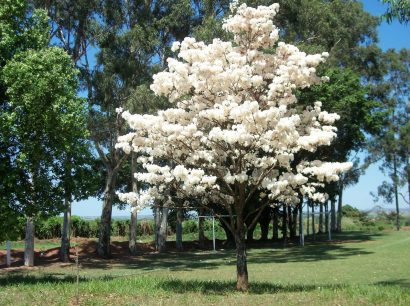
x=392, y=35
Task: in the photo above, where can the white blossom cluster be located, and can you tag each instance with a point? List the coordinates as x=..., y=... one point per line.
x=235, y=127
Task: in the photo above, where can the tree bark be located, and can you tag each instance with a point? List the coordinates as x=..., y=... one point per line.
x=249, y=233
x=29, y=243
x=340, y=208
x=201, y=233
x=275, y=234
x=301, y=232
x=264, y=221
x=132, y=245
x=307, y=219
x=333, y=215
x=179, y=230
x=326, y=216
x=284, y=225
x=396, y=192
x=313, y=221
x=242, y=282
x=104, y=237
x=294, y=222
x=157, y=224
x=162, y=231
x=321, y=218
x=65, y=236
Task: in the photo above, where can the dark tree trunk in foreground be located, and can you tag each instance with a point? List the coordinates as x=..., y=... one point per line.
x=179, y=230
x=29, y=243
x=104, y=233
x=327, y=216
x=242, y=282
x=65, y=235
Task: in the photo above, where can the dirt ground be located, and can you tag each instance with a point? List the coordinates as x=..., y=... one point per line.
x=87, y=249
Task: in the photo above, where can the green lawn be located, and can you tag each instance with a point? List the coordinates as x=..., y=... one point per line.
x=355, y=269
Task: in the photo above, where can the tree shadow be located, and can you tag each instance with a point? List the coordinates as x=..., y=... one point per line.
x=264, y=253
x=395, y=282
x=17, y=278
x=225, y=287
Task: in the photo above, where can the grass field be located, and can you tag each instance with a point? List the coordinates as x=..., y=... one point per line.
x=355, y=269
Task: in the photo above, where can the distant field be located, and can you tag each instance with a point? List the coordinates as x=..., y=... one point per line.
x=355, y=269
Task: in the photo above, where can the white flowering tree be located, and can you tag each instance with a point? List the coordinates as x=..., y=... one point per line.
x=236, y=126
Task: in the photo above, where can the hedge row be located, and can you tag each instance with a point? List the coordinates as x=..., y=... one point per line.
x=51, y=227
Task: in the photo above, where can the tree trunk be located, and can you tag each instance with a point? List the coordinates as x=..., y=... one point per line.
x=179, y=230
x=201, y=225
x=340, y=208
x=104, y=233
x=301, y=232
x=396, y=192
x=275, y=234
x=313, y=221
x=230, y=238
x=132, y=245
x=333, y=215
x=294, y=222
x=321, y=218
x=29, y=243
x=242, y=282
x=327, y=216
x=162, y=230
x=65, y=235
x=307, y=219
x=264, y=221
x=284, y=225
x=249, y=233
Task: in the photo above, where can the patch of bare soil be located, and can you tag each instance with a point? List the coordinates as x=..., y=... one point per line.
x=87, y=251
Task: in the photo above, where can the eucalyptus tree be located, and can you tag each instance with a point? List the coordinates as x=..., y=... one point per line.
x=397, y=9
x=391, y=145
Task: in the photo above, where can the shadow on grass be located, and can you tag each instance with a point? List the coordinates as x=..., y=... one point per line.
x=395, y=282
x=54, y=278
x=225, y=287
x=266, y=253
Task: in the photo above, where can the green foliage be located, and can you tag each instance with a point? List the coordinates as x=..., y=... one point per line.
x=350, y=211
x=397, y=9
x=43, y=136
